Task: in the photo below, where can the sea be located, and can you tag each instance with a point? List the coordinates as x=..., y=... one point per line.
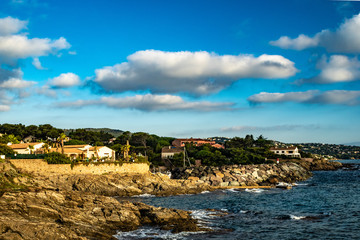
x=326, y=206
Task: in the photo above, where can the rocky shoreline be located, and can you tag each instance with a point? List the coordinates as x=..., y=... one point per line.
x=253, y=175
x=84, y=207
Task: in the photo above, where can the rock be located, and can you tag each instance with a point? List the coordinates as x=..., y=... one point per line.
x=193, y=178
x=234, y=183
x=224, y=184
x=71, y=215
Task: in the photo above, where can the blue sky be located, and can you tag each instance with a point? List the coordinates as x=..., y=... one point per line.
x=288, y=70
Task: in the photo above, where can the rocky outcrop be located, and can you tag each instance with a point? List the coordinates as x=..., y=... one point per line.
x=321, y=165
x=71, y=215
x=123, y=185
x=244, y=175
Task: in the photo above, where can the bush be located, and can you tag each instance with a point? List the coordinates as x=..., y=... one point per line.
x=5, y=150
x=57, y=158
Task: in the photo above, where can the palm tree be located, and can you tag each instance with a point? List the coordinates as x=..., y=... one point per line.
x=125, y=149
x=60, y=141
x=31, y=147
x=46, y=148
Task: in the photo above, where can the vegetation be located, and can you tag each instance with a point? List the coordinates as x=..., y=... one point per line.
x=5, y=150
x=57, y=158
x=332, y=150
x=20, y=131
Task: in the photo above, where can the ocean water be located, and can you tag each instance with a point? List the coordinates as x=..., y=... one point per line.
x=326, y=206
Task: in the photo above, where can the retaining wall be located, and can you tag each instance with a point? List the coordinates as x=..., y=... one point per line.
x=41, y=167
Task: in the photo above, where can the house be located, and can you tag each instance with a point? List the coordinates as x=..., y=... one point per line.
x=196, y=141
x=87, y=151
x=101, y=152
x=29, y=139
x=27, y=148
x=287, y=151
x=169, y=152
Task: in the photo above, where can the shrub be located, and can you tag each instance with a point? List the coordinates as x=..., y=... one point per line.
x=57, y=158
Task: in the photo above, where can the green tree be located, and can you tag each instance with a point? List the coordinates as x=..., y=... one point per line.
x=6, y=150
x=57, y=158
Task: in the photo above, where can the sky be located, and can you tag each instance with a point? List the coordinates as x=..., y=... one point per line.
x=285, y=69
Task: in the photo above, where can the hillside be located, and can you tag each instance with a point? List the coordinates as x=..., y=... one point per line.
x=114, y=132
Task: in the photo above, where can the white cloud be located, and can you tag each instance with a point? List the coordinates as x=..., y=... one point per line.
x=16, y=47
x=285, y=127
x=4, y=108
x=345, y=39
x=9, y=26
x=196, y=73
x=339, y=68
x=37, y=64
x=342, y=97
x=46, y=90
x=150, y=102
x=16, y=83
x=65, y=80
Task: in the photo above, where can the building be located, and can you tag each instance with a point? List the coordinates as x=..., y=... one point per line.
x=101, y=152
x=196, y=141
x=27, y=148
x=87, y=152
x=169, y=152
x=287, y=151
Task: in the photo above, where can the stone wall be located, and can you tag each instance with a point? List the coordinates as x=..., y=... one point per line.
x=39, y=166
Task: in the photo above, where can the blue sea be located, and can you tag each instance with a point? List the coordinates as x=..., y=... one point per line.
x=326, y=206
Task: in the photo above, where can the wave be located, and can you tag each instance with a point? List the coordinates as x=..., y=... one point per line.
x=297, y=217
x=152, y=233
x=230, y=190
x=254, y=190
x=144, y=195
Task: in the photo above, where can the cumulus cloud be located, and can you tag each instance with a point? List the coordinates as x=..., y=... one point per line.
x=345, y=39
x=150, y=102
x=196, y=73
x=9, y=26
x=65, y=80
x=37, y=64
x=341, y=97
x=16, y=83
x=16, y=47
x=339, y=68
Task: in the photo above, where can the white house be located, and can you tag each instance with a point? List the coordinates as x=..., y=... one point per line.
x=169, y=152
x=26, y=148
x=87, y=151
x=287, y=151
x=101, y=152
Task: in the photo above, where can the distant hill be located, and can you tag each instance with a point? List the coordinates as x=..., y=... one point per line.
x=352, y=144
x=114, y=132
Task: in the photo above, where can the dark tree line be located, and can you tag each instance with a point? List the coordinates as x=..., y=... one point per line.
x=20, y=131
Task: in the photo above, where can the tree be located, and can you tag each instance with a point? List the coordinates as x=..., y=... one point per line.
x=31, y=147
x=60, y=141
x=46, y=148
x=57, y=158
x=140, y=139
x=9, y=139
x=6, y=150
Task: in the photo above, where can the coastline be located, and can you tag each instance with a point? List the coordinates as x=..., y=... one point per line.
x=83, y=206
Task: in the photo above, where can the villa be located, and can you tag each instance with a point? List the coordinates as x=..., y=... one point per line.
x=26, y=148
x=287, y=151
x=86, y=151
x=196, y=141
x=169, y=152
